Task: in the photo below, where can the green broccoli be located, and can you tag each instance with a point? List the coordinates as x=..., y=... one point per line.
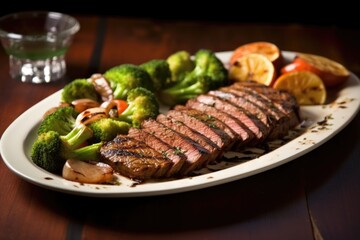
x=61, y=121
x=159, y=72
x=142, y=104
x=77, y=89
x=106, y=129
x=125, y=77
x=180, y=64
x=209, y=73
x=51, y=150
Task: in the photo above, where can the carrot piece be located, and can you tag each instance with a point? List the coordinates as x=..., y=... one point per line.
x=121, y=105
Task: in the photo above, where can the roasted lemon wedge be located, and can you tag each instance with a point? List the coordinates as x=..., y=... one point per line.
x=307, y=87
x=254, y=67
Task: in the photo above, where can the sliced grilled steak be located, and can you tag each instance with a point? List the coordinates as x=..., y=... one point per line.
x=245, y=105
x=254, y=124
x=244, y=135
x=196, y=155
x=279, y=121
x=134, y=159
x=282, y=99
x=204, y=124
x=176, y=157
x=195, y=136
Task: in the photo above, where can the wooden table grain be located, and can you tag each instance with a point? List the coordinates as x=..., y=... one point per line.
x=316, y=196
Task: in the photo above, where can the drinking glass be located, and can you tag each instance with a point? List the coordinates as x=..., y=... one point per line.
x=36, y=43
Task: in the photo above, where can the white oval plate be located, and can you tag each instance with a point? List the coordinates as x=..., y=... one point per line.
x=18, y=138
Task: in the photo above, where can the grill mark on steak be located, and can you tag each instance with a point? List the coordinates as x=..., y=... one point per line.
x=255, y=125
x=282, y=99
x=134, y=159
x=203, y=124
x=280, y=122
x=194, y=135
x=196, y=154
x=177, y=158
x=243, y=133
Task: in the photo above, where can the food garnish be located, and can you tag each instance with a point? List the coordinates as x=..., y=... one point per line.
x=254, y=67
x=267, y=49
x=307, y=87
x=331, y=72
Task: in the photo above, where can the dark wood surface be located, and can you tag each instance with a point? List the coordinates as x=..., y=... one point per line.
x=316, y=196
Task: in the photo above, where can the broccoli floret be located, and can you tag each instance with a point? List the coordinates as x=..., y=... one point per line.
x=77, y=136
x=159, y=72
x=180, y=64
x=142, y=104
x=209, y=73
x=77, y=89
x=51, y=150
x=106, y=129
x=180, y=93
x=125, y=77
x=61, y=121
x=45, y=151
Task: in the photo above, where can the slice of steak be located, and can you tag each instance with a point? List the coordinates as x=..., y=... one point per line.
x=196, y=155
x=245, y=105
x=278, y=120
x=204, y=124
x=254, y=124
x=176, y=157
x=265, y=103
x=134, y=159
x=282, y=99
x=243, y=133
x=194, y=135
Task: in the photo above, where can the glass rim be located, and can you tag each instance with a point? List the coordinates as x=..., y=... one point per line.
x=17, y=36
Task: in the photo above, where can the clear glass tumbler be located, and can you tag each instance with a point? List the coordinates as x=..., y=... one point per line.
x=36, y=43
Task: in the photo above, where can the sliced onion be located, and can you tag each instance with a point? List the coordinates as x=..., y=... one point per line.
x=83, y=172
x=82, y=104
x=108, y=105
x=90, y=115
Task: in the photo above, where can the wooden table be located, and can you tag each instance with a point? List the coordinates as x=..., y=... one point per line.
x=316, y=196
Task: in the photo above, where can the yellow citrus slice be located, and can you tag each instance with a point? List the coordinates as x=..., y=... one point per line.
x=254, y=67
x=307, y=87
x=269, y=50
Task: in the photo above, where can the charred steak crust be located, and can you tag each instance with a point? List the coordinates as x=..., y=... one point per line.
x=196, y=154
x=177, y=158
x=134, y=159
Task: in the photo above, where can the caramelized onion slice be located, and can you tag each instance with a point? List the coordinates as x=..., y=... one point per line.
x=83, y=172
x=82, y=104
x=114, y=107
x=91, y=115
